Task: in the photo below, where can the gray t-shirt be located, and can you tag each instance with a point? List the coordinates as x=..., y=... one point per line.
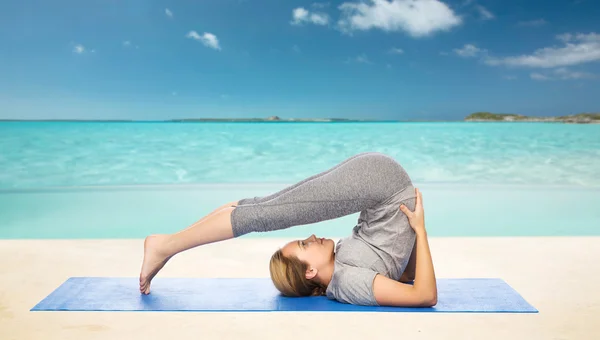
x=381, y=243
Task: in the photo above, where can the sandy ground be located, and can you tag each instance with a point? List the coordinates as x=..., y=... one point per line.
x=558, y=275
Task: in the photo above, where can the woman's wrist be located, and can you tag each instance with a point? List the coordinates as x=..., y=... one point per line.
x=421, y=232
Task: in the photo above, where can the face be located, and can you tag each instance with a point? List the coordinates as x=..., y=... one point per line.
x=317, y=252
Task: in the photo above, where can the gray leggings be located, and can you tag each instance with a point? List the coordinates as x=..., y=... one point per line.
x=356, y=184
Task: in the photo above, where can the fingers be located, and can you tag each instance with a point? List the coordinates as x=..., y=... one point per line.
x=405, y=210
x=418, y=204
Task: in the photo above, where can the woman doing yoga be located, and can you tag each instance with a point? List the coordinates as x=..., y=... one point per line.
x=386, y=249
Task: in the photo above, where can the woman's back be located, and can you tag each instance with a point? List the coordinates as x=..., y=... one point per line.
x=381, y=243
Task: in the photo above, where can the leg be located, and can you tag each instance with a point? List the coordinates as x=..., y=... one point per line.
x=291, y=187
x=352, y=186
x=216, y=226
x=349, y=187
x=158, y=249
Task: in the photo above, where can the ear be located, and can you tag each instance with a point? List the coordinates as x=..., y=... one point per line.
x=311, y=273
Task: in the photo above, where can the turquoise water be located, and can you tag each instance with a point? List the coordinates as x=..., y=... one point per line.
x=451, y=210
x=81, y=154
x=120, y=180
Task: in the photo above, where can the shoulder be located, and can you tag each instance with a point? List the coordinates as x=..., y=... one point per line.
x=353, y=285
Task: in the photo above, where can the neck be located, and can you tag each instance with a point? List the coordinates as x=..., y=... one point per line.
x=326, y=273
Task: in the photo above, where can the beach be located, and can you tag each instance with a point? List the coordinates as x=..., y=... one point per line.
x=557, y=275
x=126, y=119
x=510, y=201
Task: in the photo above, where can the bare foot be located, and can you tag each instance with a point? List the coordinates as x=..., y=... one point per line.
x=154, y=260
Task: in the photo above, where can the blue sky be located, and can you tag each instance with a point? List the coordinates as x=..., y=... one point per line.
x=375, y=59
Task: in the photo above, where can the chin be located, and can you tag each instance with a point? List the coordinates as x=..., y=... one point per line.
x=330, y=243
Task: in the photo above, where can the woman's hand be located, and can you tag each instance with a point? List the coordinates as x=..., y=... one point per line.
x=416, y=218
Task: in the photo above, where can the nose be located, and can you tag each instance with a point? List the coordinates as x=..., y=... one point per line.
x=311, y=238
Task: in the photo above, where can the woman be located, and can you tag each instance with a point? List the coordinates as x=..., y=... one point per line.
x=370, y=267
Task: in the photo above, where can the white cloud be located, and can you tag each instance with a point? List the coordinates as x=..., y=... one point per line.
x=589, y=37
x=360, y=59
x=579, y=48
x=532, y=23
x=79, y=49
x=363, y=59
x=510, y=77
x=562, y=74
x=538, y=76
x=416, y=17
x=193, y=35
x=320, y=4
x=469, y=51
x=208, y=39
x=168, y=13
x=126, y=43
x=565, y=37
x=396, y=50
x=485, y=13
x=301, y=15
x=319, y=18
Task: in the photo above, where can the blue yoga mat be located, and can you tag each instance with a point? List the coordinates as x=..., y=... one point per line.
x=259, y=295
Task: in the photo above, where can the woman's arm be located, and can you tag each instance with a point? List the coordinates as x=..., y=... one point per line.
x=409, y=272
x=425, y=281
x=424, y=291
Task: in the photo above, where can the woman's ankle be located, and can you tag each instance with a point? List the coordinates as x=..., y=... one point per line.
x=162, y=244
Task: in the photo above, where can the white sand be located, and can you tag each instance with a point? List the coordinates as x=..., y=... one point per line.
x=557, y=275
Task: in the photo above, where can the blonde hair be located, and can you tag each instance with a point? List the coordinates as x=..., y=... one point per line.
x=288, y=276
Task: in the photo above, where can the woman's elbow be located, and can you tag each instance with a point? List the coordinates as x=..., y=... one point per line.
x=430, y=300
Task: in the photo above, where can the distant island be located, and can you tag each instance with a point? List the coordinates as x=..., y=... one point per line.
x=581, y=118
x=208, y=120
x=268, y=119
